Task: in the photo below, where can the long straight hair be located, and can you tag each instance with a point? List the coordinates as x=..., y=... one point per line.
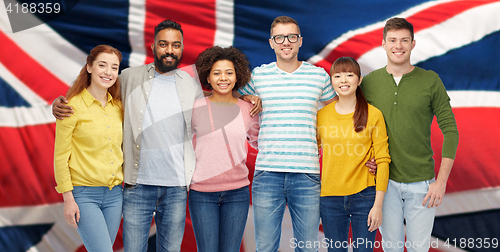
x=350, y=65
x=83, y=79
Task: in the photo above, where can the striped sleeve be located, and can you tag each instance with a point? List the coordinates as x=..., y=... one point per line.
x=328, y=91
x=248, y=89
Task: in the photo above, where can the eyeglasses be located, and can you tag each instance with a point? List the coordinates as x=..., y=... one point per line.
x=280, y=39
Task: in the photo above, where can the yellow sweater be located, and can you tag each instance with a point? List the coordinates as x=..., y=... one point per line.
x=345, y=152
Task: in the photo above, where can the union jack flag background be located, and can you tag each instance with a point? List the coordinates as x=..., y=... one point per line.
x=460, y=40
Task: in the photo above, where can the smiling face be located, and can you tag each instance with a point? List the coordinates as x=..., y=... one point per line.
x=286, y=51
x=398, y=45
x=167, y=50
x=345, y=83
x=222, y=77
x=104, y=70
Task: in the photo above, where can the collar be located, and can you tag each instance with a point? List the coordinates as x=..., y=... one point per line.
x=415, y=69
x=88, y=99
x=301, y=63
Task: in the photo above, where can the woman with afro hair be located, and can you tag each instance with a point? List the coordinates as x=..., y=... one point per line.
x=219, y=196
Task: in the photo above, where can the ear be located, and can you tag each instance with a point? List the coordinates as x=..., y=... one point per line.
x=300, y=42
x=413, y=44
x=383, y=45
x=153, y=47
x=208, y=80
x=271, y=43
x=360, y=79
x=89, y=69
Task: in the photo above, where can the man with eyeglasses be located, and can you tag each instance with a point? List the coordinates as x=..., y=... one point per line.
x=287, y=165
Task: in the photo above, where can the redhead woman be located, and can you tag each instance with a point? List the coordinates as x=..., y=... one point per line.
x=88, y=156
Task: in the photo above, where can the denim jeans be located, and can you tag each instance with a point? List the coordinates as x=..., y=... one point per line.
x=169, y=207
x=100, y=216
x=219, y=218
x=338, y=212
x=271, y=192
x=404, y=201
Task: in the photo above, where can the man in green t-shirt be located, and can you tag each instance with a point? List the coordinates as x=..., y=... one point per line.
x=409, y=98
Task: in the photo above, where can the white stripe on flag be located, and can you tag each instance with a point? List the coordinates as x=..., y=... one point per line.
x=61, y=237
x=346, y=36
x=469, y=201
x=44, y=45
x=224, y=22
x=437, y=40
x=39, y=112
x=16, y=84
x=468, y=99
x=136, y=23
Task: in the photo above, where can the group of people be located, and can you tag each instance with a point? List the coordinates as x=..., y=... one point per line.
x=177, y=146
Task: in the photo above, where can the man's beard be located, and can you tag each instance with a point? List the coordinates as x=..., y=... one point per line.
x=164, y=68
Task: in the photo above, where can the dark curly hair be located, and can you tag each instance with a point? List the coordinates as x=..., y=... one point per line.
x=207, y=59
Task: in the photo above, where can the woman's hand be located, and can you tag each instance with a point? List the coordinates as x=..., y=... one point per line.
x=374, y=218
x=71, y=210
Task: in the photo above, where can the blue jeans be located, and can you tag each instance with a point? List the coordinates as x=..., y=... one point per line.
x=100, y=216
x=404, y=201
x=219, y=218
x=338, y=212
x=169, y=207
x=271, y=192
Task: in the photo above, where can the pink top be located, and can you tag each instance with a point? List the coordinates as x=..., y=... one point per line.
x=220, y=131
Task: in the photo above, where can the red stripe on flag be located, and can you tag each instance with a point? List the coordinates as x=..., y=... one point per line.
x=27, y=174
x=199, y=29
x=30, y=72
x=477, y=149
x=362, y=43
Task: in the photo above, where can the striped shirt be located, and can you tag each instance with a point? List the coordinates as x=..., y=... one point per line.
x=287, y=137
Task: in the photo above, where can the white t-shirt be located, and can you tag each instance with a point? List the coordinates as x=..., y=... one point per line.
x=162, y=151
